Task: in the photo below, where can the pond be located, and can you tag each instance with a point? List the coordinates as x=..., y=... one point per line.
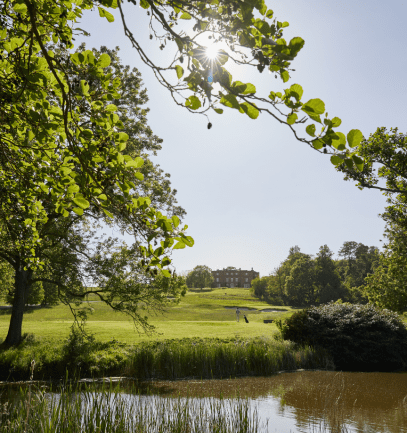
x=300, y=401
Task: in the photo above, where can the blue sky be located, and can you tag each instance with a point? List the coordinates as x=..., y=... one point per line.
x=250, y=189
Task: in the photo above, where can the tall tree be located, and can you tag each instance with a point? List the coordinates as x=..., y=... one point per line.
x=387, y=287
x=60, y=148
x=327, y=278
x=31, y=74
x=385, y=169
x=200, y=277
x=275, y=288
x=61, y=270
x=259, y=287
x=300, y=284
x=359, y=261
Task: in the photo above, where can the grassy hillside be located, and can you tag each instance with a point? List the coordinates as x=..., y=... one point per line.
x=199, y=314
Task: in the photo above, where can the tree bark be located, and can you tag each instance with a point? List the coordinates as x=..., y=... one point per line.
x=22, y=286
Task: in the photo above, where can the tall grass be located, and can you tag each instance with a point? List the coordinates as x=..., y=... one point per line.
x=107, y=411
x=218, y=359
x=169, y=359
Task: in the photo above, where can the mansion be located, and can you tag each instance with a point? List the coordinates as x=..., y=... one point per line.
x=232, y=277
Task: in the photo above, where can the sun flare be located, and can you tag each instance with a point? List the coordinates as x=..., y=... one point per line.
x=211, y=52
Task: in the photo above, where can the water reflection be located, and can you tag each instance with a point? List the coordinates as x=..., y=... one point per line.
x=303, y=401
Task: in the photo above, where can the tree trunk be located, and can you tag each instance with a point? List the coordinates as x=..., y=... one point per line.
x=22, y=286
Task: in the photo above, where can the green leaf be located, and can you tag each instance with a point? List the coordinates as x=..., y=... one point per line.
x=102, y=197
x=72, y=189
x=106, y=14
x=243, y=88
x=314, y=107
x=340, y=142
x=188, y=241
x=20, y=8
x=84, y=87
x=318, y=143
x=349, y=162
x=81, y=201
x=285, y=76
x=336, y=122
x=269, y=14
x=218, y=110
x=111, y=107
x=86, y=133
x=185, y=16
x=230, y=101
x=166, y=273
x=358, y=162
x=222, y=57
x=179, y=70
x=193, y=102
x=144, y=4
x=292, y=118
x=179, y=246
x=336, y=160
x=310, y=130
x=78, y=211
x=295, y=45
x=139, y=176
x=297, y=91
x=104, y=61
x=175, y=220
x=109, y=214
x=354, y=138
x=251, y=111
x=137, y=162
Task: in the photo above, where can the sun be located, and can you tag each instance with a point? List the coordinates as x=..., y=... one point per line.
x=211, y=52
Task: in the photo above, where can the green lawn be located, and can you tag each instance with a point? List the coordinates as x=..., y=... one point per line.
x=199, y=314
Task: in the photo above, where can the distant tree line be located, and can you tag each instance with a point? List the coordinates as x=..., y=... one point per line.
x=302, y=280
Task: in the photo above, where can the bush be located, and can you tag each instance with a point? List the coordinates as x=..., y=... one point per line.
x=359, y=337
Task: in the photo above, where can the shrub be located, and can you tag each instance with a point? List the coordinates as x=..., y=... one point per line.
x=359, y=337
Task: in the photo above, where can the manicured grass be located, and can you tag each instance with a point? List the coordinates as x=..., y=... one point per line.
x=199, y=314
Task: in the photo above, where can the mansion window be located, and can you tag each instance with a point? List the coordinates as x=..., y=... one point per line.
x=227, y=280
x=217, y=279
x=247, y=279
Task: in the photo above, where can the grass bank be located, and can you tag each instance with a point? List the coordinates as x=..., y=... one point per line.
x=170, y=359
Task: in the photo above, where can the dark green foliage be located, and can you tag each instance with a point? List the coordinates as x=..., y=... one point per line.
x=200, y=277
x=359, y=337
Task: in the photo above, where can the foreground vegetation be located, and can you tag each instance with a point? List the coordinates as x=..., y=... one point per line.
x=75, y=412
x=199, y=337
x=170, y=359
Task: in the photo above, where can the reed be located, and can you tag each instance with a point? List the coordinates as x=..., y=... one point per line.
x=176, y=359
x=75, y=410
x=168, y=359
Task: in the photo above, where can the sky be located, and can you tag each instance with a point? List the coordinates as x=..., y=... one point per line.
x=250, y=189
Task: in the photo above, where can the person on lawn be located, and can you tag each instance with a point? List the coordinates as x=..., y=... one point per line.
x=237, y=314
